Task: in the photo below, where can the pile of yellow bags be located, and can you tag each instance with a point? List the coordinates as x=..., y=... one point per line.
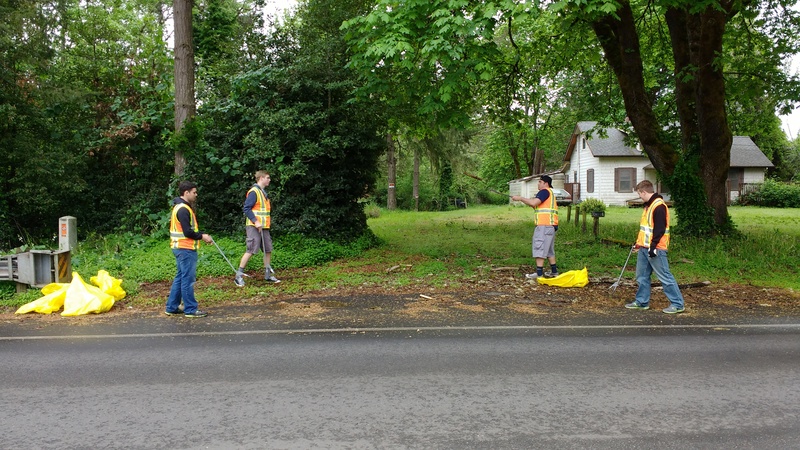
x=77, y=297
x=573, y=278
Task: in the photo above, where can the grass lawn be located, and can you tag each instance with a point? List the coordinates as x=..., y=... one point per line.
x=441, y=249
x=766, y=254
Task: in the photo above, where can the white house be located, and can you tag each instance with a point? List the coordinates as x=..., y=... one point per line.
x=604, y=167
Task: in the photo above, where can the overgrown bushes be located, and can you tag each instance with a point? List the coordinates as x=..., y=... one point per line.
x=773, y=194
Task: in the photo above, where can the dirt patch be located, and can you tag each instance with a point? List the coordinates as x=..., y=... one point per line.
x=493, y=294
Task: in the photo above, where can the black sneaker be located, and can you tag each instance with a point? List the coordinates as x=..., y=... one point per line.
x=551, y=275
x=197, y=313
x=173, y=313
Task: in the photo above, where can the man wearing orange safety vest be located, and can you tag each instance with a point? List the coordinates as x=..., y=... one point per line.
x=185, y=237
x=257, y=214
x=544, y=235
x=652, y=244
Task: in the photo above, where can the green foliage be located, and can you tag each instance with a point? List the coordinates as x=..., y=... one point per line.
x=773, y=194
x=591, y=205
x=695, y=217
x=88, y=107
x=294, y=119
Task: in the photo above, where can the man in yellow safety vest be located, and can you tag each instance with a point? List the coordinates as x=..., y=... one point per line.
x=652, y=244
x=257, y=210
x=544, y=235
x=185, y=237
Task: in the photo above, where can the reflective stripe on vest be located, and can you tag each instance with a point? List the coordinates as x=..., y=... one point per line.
x=645, y=236
x=176, y=237
x=547, y=212
x=260, y=209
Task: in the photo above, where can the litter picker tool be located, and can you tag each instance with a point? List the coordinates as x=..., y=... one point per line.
x=614, y=286
x=226, y=258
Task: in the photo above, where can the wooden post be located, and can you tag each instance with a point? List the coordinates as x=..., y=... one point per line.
x=577, y=215
x=583, y=226
x=596, y=226
x=569, y=210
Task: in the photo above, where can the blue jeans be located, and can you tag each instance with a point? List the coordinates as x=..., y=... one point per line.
x=645, y=266
x=183, y=285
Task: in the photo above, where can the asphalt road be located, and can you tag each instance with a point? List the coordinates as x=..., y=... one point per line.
x=405, y=388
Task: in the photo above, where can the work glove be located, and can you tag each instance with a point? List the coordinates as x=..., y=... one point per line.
x=652, y=253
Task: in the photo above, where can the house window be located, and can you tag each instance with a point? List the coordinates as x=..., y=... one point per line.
x=583, y=143
x=590, y=181
x=624, y=179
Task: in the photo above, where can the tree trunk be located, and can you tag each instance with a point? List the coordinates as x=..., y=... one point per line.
x=700, y=94
x=514, y=152
x=415, y=187
x=391, y=161
x=712, y=118
x=620, y=44
x=184, y=73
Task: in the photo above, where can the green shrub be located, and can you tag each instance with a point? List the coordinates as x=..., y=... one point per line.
x=591, y=205
x=773, y=194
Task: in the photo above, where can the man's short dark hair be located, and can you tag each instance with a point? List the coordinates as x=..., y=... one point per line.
x=645, y=186
x=185, y=186
x=547, y=180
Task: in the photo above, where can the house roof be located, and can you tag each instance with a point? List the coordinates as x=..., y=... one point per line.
x=613, y=144
x=745, y=153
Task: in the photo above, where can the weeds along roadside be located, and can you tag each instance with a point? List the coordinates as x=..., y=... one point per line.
x=438, y=248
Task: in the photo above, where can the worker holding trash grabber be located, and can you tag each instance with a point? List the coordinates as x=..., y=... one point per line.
x=544, y=235
x=185, y=237
x=257, y=210
x=652, y=244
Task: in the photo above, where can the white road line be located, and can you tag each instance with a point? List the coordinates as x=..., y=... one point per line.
x=717, y=327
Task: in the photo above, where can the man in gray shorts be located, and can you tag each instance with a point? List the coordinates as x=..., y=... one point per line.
x=257, y=213
x=546, y=219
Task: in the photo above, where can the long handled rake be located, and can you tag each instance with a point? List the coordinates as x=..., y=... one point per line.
x=614, y=286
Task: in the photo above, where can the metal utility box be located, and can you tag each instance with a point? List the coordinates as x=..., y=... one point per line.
x=67, y=233
x=38, y=268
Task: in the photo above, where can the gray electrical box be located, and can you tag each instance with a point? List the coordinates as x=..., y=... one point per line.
x=67, y=233
x=38, y=268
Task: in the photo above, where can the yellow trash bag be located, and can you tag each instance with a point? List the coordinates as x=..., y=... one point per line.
x=53, y=300
x=84, y=298
x=108, y=284
x=573, y=278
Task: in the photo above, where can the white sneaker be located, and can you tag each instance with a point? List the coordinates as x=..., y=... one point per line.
x=239, y=281
x=531, y=276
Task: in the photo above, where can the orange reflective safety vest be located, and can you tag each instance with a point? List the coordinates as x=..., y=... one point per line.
x=547, y=212
x=260, y=209
x=645, y=236
x=176, y=237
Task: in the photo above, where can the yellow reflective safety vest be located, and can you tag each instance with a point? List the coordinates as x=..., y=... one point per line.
x=645, y=236
x=176, y=237
x=547, y=212
x=260, y=209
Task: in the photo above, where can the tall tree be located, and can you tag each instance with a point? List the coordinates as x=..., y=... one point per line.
x=442, y=54
x=391, y=173
x=185, y=107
